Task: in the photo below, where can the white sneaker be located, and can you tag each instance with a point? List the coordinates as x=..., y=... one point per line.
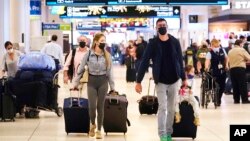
x=98, y=134
x=92, y=130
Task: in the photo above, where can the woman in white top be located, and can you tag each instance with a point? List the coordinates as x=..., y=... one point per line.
x=10, y=60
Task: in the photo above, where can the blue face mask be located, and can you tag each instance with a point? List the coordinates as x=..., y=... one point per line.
x=190, y=76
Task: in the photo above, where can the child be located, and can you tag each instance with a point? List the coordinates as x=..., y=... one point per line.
x=186, y=94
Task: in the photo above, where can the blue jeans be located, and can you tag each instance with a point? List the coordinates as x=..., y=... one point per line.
x=166, y=97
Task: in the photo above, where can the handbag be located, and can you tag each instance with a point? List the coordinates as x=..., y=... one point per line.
x=85, y=76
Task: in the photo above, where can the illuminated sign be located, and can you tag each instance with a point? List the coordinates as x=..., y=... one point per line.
x=134, y=2
x=130, y=11
x=242, y=4
x=198, y=2
x=56, y=26
x=35, y=7
x=75, y=2
x=137, y=2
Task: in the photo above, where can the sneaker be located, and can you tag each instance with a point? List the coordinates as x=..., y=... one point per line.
x=98, y=135
x=169, y=138
x=92, y=130
x=164, y=138
x=177, y=118
x=197, y=121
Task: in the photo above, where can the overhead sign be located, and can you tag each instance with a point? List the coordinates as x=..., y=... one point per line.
x=242, y=4
x=122, y=11
x=56, y=26
x=35, y=7
x=137, y=2
x=198, y=2
x=75, y=2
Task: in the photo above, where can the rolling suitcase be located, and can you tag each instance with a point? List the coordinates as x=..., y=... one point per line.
x=7, y=102
x=76, y=114
x=148, y=104
x=115, y=113
x=8, y=107
x=186, y=127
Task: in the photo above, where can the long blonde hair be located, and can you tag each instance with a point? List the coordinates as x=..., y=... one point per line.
x=106, y=54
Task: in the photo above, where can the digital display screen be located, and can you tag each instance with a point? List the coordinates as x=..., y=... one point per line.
x=75, y=2
x=131, y=11
x=137, y=2
x=134, y=2
x=197, y=2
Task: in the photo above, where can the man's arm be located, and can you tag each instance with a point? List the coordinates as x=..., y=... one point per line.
x=183, y=76
x=145, y=61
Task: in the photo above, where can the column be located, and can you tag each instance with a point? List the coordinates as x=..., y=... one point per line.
x=20, y=21
x=4, y=25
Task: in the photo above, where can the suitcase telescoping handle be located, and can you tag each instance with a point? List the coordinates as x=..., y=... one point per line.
x=150, y=79
x=76, y=90
x=114, y=97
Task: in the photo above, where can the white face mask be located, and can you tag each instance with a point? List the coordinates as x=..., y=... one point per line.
x=10, y=50
x=216, y=49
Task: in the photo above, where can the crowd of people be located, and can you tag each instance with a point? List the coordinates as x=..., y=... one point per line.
x=160, y=52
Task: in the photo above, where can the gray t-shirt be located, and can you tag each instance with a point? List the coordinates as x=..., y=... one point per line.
x=9, y=65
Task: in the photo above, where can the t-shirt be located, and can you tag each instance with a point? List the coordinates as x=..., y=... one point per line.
x=10, y=65
x=168, y=73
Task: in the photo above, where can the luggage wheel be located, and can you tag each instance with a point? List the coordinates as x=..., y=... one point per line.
x=59, y=111
x=32, y=114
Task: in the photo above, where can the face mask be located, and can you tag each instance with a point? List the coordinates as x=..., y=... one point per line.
x=216, y=49
x=10, y=50
x=190, y=76
x=102, y=45
x=82, y=44
x=162, y=30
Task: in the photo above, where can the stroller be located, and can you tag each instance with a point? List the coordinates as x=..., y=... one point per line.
x=35, y=85
x=209, y=90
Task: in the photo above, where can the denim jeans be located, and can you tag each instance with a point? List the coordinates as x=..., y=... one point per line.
x=166, y=97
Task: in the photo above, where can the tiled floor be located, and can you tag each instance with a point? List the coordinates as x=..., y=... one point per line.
x=214, y=122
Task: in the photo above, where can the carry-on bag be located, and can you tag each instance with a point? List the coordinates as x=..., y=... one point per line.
x=8, y=107
x=7, y=102
x=148, y=104
x=115, y=113
x=186, y=127
x=76, y=114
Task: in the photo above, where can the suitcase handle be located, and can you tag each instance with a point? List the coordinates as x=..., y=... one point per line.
x=71, y=99
x=149, y=86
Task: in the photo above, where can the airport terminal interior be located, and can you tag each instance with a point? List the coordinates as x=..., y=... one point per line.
x=30, y=25
x=215, y=123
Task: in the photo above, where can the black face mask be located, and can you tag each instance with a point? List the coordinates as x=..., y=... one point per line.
x=82, y=44
x=102, y=45
x=162, y=30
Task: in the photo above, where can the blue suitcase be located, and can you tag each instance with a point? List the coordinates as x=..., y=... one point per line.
x=76, y=115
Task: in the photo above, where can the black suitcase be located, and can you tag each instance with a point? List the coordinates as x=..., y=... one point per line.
x=115, y=114
x=186, y=127
x=148, y=104
x=2, y=89
x=130, y=75
x=76, y=115
x=8, y=107
x=7, y=102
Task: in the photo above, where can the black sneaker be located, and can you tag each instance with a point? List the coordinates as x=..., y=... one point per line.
x=236, y=102
x=246, y=102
